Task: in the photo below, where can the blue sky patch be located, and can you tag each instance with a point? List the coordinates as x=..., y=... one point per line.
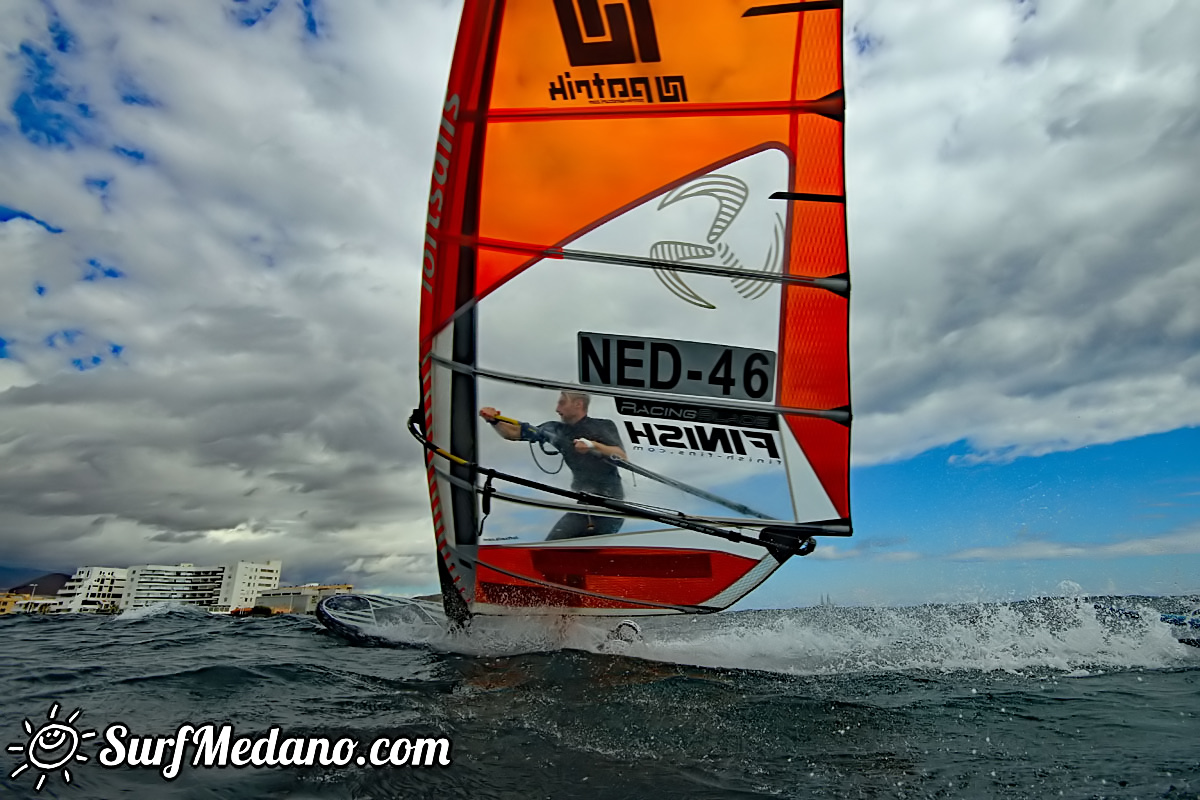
x=91, y=362
x=7, y=213
x=1095, y=493
x=136, y=156
x=63, y=338
x=133, y=94
x=84, y=364
x=64, y=39
x=261, y=248
x=81, y=351
x=41, y=126
x=43, y=108
x=310, y=17
x=40, y=74
x=251, y=12
x=864, y=42
x=98, y=185
x=97, y=271
x=52, y=114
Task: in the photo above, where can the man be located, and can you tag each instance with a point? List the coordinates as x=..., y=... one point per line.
x=587, y=445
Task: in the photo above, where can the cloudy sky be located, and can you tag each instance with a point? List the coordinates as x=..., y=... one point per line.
x=210, y=233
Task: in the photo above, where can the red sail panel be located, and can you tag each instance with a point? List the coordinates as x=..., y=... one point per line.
x=651, y=575
x=826, y=444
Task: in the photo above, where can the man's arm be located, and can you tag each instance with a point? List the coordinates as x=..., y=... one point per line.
x=505, y=429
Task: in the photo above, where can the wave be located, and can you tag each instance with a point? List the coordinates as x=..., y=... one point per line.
x=1065, y=635
x=167, y=609
x=1076, y=636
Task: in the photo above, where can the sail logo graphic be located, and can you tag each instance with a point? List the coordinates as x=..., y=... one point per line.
x=730, y=444
x=686, y=412
x=606, y=38
x=615, y=33
x=442, y=162
x=730, y=194
x=51, y=748
x=598, y=89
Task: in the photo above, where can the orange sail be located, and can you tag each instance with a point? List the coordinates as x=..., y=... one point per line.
x=640, y=204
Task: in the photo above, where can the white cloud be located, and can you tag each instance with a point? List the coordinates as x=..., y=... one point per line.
x=865, y=548
x=1185, y=542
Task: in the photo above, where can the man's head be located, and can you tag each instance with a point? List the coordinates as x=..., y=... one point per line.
x=572, y=406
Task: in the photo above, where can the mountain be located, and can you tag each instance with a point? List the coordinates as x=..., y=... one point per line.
x=16, y=577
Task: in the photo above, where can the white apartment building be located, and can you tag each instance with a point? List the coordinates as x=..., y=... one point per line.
x=244, y=582
x=92, y=589
x=219, y=588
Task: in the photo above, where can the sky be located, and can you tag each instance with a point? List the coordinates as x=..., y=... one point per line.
x=211, y=224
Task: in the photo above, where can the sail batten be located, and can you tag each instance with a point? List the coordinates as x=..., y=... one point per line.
x=836, y=284
x=608, y=264
x=840, y=415
x=821, y=106
x=793, y=8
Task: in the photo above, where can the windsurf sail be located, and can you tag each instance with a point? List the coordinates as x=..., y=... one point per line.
x=635, y=246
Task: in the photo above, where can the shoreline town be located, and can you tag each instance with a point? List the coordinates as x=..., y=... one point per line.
x=237, y=588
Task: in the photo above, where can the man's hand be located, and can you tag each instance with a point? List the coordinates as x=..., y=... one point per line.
x=599, y=449
x=488, y=413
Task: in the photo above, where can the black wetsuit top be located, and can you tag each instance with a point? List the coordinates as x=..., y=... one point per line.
x=590, y=472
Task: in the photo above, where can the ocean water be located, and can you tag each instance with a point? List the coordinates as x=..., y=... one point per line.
x=1035, y=699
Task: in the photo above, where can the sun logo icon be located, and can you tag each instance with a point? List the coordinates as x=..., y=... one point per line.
x=51, y=747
